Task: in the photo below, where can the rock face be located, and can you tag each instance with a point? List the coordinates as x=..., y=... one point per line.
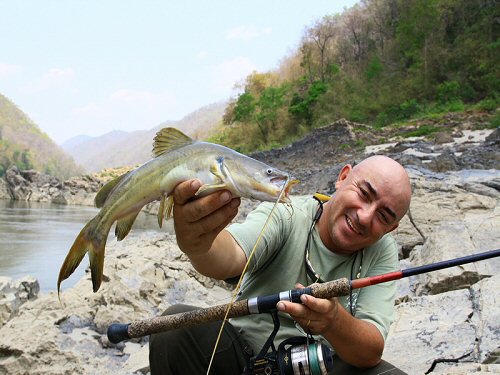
x=459, y=325
x=447, y=322
x=31, y=185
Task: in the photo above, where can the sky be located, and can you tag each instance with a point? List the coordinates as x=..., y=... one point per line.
x=88, y=67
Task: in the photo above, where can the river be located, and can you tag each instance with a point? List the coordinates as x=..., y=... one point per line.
x=35, y=238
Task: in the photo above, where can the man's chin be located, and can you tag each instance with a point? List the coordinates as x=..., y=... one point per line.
x=345, y=244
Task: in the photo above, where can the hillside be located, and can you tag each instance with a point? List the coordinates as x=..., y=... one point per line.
x=119, y=148
x=23, y=144
x=378, y=62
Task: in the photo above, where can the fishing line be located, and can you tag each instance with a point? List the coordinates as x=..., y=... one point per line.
x=238, y=286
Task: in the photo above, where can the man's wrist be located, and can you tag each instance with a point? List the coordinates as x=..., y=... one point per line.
x=196, y=254
x=335, y=312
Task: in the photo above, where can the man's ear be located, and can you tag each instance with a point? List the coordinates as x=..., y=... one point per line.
x=343, y=174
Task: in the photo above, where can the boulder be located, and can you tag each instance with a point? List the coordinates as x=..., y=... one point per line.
x=461, y=325
x=4, y=190
x=14, y=293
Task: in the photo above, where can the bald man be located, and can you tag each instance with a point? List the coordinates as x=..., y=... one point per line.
x=348, y=236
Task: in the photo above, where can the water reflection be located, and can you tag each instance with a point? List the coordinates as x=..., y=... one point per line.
x=35, y=238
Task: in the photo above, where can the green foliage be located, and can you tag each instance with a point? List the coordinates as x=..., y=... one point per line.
x=23, y=144
x=374, y=68
x=488, y=104
x=495, y=122
x=267, y=113
x=302, y=106
x=12, y=154
x=399, y=112
x=245, y=107
x=448, y=91
x=333, y=69
x=379, y=62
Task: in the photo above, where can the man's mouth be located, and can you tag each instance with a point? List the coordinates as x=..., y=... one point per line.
x=351, y=225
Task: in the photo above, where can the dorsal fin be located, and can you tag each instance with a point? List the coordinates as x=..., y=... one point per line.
x=103, y=193
x=168, y=139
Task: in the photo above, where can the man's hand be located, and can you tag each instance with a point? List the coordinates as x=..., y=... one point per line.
x=356, y=341
x=315, y=315
x=197, y=222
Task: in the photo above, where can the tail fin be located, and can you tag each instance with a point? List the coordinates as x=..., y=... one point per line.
x=89, y=240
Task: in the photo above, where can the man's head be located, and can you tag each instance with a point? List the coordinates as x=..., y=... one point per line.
x=369, y=201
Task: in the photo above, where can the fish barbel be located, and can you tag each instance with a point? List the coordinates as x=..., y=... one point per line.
x=177, y=158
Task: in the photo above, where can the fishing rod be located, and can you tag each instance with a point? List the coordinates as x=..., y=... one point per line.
x=118, y=332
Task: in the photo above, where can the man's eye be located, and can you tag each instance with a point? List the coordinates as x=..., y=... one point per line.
x=363, y=192
x=383, y=217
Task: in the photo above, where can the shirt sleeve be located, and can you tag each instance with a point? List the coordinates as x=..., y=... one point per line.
x=272, y=235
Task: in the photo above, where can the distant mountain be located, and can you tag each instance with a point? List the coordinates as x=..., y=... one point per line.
x=120, y=148
x=75, y=141
x=22, y=143
x=84, y=148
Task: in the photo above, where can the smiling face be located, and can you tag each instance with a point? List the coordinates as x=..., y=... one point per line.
x=369, y=201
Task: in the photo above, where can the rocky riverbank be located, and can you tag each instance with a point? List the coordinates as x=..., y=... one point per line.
x=31, y=185
x=447, y=321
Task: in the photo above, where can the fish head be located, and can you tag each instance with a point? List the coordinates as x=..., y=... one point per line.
x=253, y=179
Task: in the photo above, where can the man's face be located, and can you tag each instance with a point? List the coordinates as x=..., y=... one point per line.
x=366, y=205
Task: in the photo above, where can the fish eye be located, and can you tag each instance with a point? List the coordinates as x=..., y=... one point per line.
x=269, y=171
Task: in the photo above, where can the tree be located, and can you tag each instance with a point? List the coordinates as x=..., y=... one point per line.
x=318, y=39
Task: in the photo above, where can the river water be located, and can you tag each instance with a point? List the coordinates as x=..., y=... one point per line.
x=35, y=238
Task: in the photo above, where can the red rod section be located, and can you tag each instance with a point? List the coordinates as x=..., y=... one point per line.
x=367, y=281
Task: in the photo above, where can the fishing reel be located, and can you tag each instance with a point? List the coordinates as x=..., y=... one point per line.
x=295, y=356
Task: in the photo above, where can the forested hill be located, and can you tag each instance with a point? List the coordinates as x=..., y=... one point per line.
x=379, y=62
x=23, y=144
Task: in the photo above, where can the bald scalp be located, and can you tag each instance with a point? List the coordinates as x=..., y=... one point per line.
x=391, y=170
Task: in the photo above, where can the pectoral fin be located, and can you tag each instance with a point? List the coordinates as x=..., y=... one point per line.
x=169, y=206
x=215, y=169
x=212, y=187
x=165, y=209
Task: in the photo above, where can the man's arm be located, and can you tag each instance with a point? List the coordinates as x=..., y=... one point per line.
x=356, y=341
x=199, y=225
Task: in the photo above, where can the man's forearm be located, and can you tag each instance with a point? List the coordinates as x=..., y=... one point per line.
x=223, y=260
x=355, y=341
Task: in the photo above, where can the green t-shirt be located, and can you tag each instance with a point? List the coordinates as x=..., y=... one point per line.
x=278, y=264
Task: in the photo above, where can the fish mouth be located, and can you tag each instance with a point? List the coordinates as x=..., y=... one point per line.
x=289, y=183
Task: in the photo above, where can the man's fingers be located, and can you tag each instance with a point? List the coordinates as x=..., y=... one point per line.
x=296, y=310
x=316, y=304
x=185, y=191
x=204, y=206
x=217, y=219
x=309, y=305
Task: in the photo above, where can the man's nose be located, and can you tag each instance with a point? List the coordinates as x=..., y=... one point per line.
x=365, y=214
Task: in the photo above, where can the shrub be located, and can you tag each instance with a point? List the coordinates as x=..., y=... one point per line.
x=400, y=112
x=448, y=91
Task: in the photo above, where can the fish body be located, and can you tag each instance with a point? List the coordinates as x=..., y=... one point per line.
x=177, y=158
